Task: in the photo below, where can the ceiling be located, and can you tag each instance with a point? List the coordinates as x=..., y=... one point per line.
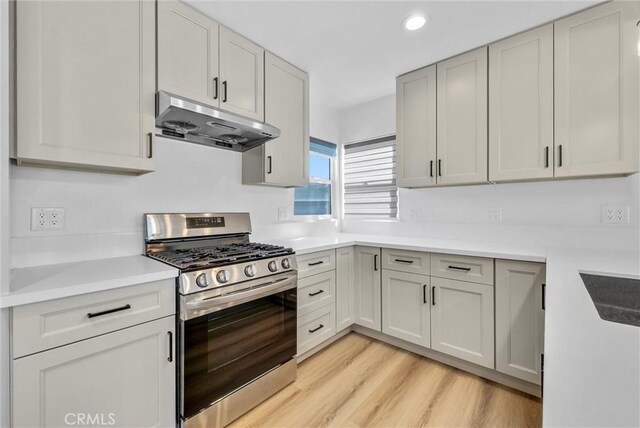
x=353, y=50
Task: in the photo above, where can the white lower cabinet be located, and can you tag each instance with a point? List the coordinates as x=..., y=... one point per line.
x=345, y=287
x=367, y=287
x=121, y=379
x=316, y=291
x=316, y=327
x=462, y=320
x=406, y=308
x=520, y=319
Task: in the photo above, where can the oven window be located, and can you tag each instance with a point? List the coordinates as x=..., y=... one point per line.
x=229, y=348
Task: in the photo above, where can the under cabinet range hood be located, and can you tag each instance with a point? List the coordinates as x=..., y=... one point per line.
x=186, y=120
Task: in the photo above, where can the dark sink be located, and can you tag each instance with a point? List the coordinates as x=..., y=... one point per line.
x=616, y=299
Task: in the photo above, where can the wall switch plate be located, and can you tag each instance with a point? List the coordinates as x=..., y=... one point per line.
x=416, y=213
x=283, y=213
x=47, y=219
x=615, y=214
x=495, y=214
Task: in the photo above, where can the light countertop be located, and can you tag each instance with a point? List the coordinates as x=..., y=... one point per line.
x=41, y=283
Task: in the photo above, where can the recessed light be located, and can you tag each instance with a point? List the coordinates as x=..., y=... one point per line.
x=414, y=22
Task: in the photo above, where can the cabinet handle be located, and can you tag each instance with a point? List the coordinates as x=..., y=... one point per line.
x=224, y=91
x=440, y=167
x=430, y=168
x=375, y=262
x=433, y=295
x=466, y=269
x=108, y=311
x=170, y=357
x=560, y=155
x=316, y=263
x=150, y=137
x=313, y=330
x=215, y=88
x=546, y=157
x=404, y=261
x=424, y=293
x=544, y=296
x=316, y=293
x=268, y=164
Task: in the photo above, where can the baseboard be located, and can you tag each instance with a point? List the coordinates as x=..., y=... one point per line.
x=490, y=374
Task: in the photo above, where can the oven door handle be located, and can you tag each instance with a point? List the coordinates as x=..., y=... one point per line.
x=202, y=306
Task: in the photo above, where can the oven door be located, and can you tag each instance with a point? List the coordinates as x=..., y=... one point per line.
x=231, y=339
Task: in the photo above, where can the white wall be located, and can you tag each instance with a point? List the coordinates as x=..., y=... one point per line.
x=104, y=211
x=562, y=212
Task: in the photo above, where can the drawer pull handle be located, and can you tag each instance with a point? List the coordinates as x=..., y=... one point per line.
x=466, y=269
x=316, y=293
x=404, y=261
x=316, y=263
x=313, y=330
x=108, y=311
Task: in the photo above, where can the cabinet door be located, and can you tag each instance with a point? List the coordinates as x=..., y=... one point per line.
x=345, y=287
x=519, y=318
x=406, y=307
x=125, y=379
x=187, y=53
x=367, y=287
x=287, y=108
x=462, y=118
x=242, y=75
x=521, y=106
x=462, y=320
x=86, y=86
x=416, y=128
x=596, y=91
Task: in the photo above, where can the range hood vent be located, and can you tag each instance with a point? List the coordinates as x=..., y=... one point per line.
x=186, y=120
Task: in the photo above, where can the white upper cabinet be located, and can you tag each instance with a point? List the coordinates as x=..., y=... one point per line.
x=521, y=106
x=462, y=118
x=187, y=53
x=416, y=128
x=241, y=75
x=85, y=84
x=596, y=91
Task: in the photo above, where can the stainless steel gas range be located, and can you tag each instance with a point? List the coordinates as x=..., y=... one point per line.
x=237, y=313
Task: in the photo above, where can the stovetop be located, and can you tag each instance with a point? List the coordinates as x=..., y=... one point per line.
x=187, y=259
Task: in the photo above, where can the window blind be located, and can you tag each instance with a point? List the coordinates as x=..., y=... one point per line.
x=370, y=179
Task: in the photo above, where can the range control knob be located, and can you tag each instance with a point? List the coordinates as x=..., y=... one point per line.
x=273, y=266
x=202, y=280
x=250, y=271
x=285, y=263
x=222, y=276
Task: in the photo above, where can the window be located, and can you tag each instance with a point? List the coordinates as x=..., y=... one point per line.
x=316, y=199
x=370, y=179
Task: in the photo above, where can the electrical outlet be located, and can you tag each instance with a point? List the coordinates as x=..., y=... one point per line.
x=495, y=214
x=416, y=213
x=47, y=219
x=283, y=213
x=615, y=214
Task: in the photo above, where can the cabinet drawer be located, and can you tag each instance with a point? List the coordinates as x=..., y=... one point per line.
x=465, y=268
x=315, y=263
x=46, y=325
x=316, y=291
x=315, y=328
x=406, y=261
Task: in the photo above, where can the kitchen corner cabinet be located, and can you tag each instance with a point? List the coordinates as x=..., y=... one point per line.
x=462, y=320
x=416, y=128
x=519, y=319
x=70, y=54
x=368, y=287
x=406, y=307
x=188, y=53
x=283, y=161
x=345, y=287
x=122, y=378
x=596, y=91
x=521, y=106
x=462, y=118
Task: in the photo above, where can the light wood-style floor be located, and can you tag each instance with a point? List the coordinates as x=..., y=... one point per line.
x=361, y=382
